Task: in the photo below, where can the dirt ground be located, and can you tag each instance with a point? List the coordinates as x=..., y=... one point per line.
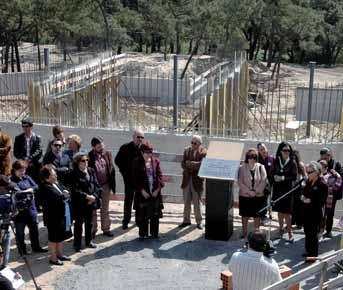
x=127, y=262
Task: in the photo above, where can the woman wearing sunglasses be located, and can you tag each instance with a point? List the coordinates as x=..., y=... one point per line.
x=313, y=198
x=284, y=173
x=85, y=197
x=252, y=179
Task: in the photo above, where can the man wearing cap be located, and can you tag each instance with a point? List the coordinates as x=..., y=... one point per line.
x=192, y=184
x=5, y=157
x=252, y=269
x=60, y=160
x=27, y=146
x=333, y=167
x=102, y=162
x=125, y=156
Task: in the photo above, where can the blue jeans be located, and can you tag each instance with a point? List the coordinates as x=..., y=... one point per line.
x=6, y=246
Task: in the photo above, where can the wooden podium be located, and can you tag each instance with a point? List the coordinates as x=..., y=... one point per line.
x=220, y=168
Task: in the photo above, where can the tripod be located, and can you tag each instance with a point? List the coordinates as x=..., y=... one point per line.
x=271, y=203
x=5, y=231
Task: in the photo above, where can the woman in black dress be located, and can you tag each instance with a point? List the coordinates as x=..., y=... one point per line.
x=284, y=173
x=85, y=197
x=56, y=214
x=313, y=198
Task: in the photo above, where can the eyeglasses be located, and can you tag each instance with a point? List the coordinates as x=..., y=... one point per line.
x=286, y=150
x=252, y=157
x=140, y=137
x=25, y=126
x=58, y=145
x=84, y=160
x=194, y=143
x=310, y=172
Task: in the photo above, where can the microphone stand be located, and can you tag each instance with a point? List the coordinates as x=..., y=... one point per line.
x=271, y=203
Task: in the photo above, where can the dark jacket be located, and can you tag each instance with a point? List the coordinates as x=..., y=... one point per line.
x=62, y=166
x=81, y=187
x=125, y=156
x=191, y=169
x=5, y=157
x=110, y=167
x=36, y=151
x=268, y=163
x=31, y=212
x=53, y=206
x=318, y=194
x=290, y=172
x=141, y=180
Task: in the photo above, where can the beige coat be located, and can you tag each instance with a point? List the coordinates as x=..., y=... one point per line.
x=245, y=180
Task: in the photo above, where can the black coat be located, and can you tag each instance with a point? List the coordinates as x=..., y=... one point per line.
x=53, y=206
x=125, y=156
x=81, y=187
x=110, y=167
x=36, y=151
x=317, y=193
x=62, y=166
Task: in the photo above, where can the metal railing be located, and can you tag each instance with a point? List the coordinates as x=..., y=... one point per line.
x=321, y=268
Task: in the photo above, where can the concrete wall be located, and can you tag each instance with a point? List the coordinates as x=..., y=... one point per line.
x=165, y=143
x=326, y=104
x=16, y=83
x=158, y=90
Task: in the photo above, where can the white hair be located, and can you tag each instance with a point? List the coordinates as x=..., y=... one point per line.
x=138, y=131
x=316, y=167
x=198, y=138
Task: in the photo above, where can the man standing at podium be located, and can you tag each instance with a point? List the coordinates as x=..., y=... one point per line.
x=192, y=185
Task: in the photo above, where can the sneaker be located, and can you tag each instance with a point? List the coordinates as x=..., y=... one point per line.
x=64, y=258
x=56, y=263
x=183, y=225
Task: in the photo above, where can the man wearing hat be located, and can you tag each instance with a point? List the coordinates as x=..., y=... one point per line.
x=27, y=146
x=333, y=167
x=5, y=157
x=102, y=162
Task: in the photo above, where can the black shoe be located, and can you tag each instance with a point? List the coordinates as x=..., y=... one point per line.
x=56, y=263
x=108, y=234
x=183, y=225
x=304, y=255
x=199, y=226
x=125, y=227
x=327, y=235
x=77, y=249
x=64, y=258
x=91, y=245
x=40, y=250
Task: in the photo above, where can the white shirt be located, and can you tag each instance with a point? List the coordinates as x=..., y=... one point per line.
x=28, y=145
x=251, y=270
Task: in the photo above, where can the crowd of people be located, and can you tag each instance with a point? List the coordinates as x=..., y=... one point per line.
x=71, y=185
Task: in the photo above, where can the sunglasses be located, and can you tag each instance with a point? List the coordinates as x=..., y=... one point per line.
x=57, y=145
x=25, y=126
x=252, y=157
x=310, y=172
x=194, y=143
x=140, y=137
x=84, y=160
x=286, y=150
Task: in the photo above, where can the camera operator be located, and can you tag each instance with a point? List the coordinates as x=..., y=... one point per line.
x=253, y=269
x=27, y=213
x=5, y=284
x=5, y=237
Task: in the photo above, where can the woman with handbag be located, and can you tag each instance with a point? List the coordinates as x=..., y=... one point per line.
x=252, y=178
x=148, y=200
x=85, y=197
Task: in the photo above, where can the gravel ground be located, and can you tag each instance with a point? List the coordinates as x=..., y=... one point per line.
x=180, y=259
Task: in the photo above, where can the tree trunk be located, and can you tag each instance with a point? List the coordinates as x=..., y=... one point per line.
x=171, y=47
x=270, y=55
x=196, y=47
x=7, y=51
x=38, y=47
x=266, y=48
x=119, y=49
x=190, y=47
x=165, y=49
x=153, y=43
x=17, y=56
x=12, y=57
x=178, y=44
x=140, y=46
